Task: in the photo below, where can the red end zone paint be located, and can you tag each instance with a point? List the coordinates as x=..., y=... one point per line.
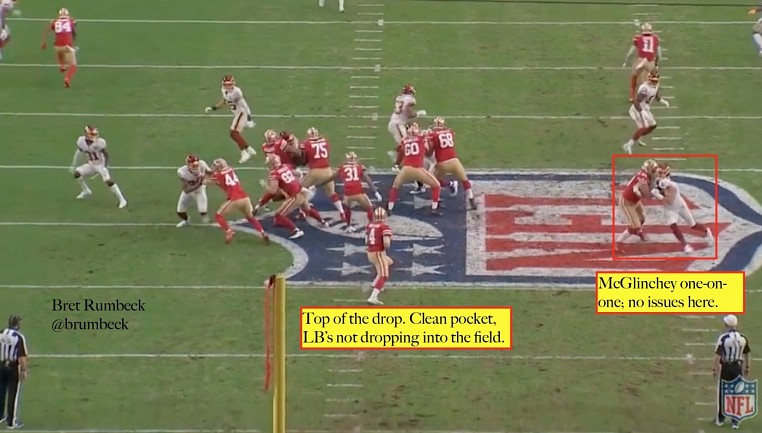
x=391, y=307
x=696, y=313
x=635, y=250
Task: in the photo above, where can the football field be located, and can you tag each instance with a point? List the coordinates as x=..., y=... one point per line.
x=538, y=98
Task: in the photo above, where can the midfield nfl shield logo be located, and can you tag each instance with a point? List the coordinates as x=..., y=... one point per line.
x=739, y=397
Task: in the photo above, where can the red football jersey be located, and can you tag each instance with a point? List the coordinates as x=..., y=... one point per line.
x=287, y=180
x=351, y=175
x=228, y=181
x=374, y=236
x=413, y=150
x=63, y=27
x=641, y=178
x=647, y=46
x=278, y=148
x=443, y=142
x=317, y=151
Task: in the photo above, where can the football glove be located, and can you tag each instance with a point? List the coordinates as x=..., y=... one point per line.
x=752, y=11
x=420, y=113
x=665, y=103
x=209, y=109
x=250, y=124
x=378, y=196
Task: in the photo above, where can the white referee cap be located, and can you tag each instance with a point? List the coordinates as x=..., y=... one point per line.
x=731, y=320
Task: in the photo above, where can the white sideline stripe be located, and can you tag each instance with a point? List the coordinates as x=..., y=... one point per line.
x=349, y=370
x=363, y=97
x=373, y=117
x=362, y=127
x=388, y=68
x=341, y=400
x=379, y=354
x=459, y=23
x=704, y=403
x=341, y=415
x=345, y=385
x=669, y=148
x=700, y=373
x=667, y=138
x=367, y=40
x=698, y=330
x=360, y=147
x=366, y=58
x=361, y=137
x=673, y=159
x=377, y=14
x=699, y=317
x=476, y=171
x=699, y=344
x=669, y=127
x=363, y=87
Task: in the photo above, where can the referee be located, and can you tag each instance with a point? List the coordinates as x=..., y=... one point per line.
x=13, y=370
x=731, y=359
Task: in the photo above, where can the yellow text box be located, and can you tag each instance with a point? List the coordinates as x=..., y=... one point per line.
x=405, y=328
x=670, y=292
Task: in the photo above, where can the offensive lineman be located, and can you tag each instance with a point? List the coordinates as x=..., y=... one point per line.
x=93, y=147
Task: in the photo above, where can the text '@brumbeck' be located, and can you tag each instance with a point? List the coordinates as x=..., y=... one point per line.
x=88, y=305
x=395, y=328
x=670, y=293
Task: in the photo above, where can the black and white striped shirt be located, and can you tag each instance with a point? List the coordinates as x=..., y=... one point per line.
x=12, y=346
x=732, y=346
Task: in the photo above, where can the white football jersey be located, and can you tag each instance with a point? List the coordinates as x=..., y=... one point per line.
x=94, y=150
x=194, y=178
x=235, y=100
x=649, y=91
x=400, y=105
x=669, y=183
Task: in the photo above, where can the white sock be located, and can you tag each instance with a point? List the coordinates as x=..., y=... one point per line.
x=758, y=40
x=469, y=194
x=117, y=192
x=375, y=293
x=339, y=207
x=83, y=185
x=624, y=236
x=630, y=142
x=321, y=3
x=341, y=5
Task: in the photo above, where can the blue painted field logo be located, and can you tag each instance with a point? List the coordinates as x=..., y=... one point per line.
x=739, y=397
x=531, y=229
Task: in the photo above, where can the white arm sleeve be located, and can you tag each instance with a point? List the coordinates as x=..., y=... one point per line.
x=77, y=160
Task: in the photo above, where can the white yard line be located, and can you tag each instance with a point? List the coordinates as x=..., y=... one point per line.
x=377, y=51
x=476, y=171
x=323, y=355
x=371, y=116
x=392, y=23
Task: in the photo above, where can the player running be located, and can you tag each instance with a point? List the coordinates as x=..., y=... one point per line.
x=193, y=176
x=756, y=31
x=236, y=199
x=7, y=7
x=648, y=48
x=640, y=110
x=64, y=28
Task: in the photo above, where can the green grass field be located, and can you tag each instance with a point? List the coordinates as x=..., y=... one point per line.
x=526, y=86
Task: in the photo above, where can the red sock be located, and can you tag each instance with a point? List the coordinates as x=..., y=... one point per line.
x=239, y=140
x=283, y=221
x=265, y=199
x=312, y=212
x=379, y=282
x=255, y=223
x=678, y=234
x=70, y=72
x=221, y=221
x=444, y=183
x=466, y=185
x=633, y=84
x=348, y=215
x=393, y=197
x=435, y=193
x=5, y=42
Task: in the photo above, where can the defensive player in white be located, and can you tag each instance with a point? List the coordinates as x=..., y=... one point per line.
x=640, y=111
x=93, y=148
x=193, y=176
x=676, y=208
x=341, y=4
x=756, y=32
x=404, y=113
x=6, y=8
x=232, y=96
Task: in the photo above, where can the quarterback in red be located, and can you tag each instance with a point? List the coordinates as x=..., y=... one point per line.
x=352, y=175
x=236, y=199
x=283, y=178
x=411, y=153
x=442, y=140
x=378, y=240
x=630, y=202
x=648, y=48
x=64, y=28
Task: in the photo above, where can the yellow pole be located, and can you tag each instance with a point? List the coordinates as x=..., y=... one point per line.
x=279, y=343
